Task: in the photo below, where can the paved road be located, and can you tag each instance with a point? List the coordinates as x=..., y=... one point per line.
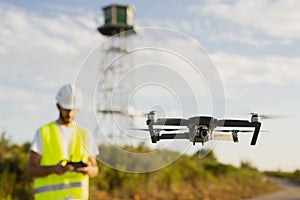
x=290, y=191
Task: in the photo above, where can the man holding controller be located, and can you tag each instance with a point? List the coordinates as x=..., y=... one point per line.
x=62, y=155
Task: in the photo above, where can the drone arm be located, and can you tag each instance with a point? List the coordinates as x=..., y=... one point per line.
x=234, y=123
x=242, y=123
x=256, y=132
x=174, y=136
x=151, y=130
x=168, y=122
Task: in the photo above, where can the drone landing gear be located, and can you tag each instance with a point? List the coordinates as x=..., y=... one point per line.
x=235, y=136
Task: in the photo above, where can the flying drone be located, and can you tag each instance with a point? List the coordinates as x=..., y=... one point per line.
x=201, y=128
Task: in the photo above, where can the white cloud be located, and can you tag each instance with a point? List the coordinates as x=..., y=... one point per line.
x=62, y=33
x=274, y=70
x=40, y=51
x=279, y=19
x=13, y=94
x=38, y=54
x=2, y=50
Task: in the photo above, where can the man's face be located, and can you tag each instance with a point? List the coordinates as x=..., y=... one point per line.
x=66, y=116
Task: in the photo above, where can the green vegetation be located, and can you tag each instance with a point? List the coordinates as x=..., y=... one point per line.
x=294, y=176
x=187, y=178
x=14, y=184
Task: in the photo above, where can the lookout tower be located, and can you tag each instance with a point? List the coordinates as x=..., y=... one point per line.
x=112, y=99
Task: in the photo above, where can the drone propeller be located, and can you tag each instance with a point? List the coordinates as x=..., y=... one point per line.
x=268, y=116
x=133, y=113
x=239, y=131
x=160, y=129
x=144, y=114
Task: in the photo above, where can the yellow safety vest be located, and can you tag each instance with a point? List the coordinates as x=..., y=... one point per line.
x=71, y=185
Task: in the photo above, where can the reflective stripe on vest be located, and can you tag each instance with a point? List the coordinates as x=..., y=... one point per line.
x=57, y=187
x=69, y=184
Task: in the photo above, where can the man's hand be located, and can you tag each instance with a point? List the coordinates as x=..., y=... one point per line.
x=36, y=170
x=91, y=169
x=61, y=167
x=84, y=170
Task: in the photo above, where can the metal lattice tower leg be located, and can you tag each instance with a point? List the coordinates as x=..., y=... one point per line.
x=112, y=102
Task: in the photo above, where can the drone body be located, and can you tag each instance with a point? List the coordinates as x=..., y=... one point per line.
x=201, y=128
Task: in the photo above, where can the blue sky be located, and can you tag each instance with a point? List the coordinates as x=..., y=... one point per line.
x=254, y=45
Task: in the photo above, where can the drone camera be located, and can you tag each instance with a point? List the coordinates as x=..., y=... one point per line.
x=201, y=132
x=204, y=133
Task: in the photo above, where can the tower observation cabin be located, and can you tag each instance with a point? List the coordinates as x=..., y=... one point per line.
x=117, y=19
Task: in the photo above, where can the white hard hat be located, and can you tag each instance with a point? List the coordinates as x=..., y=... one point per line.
x=69, y=97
